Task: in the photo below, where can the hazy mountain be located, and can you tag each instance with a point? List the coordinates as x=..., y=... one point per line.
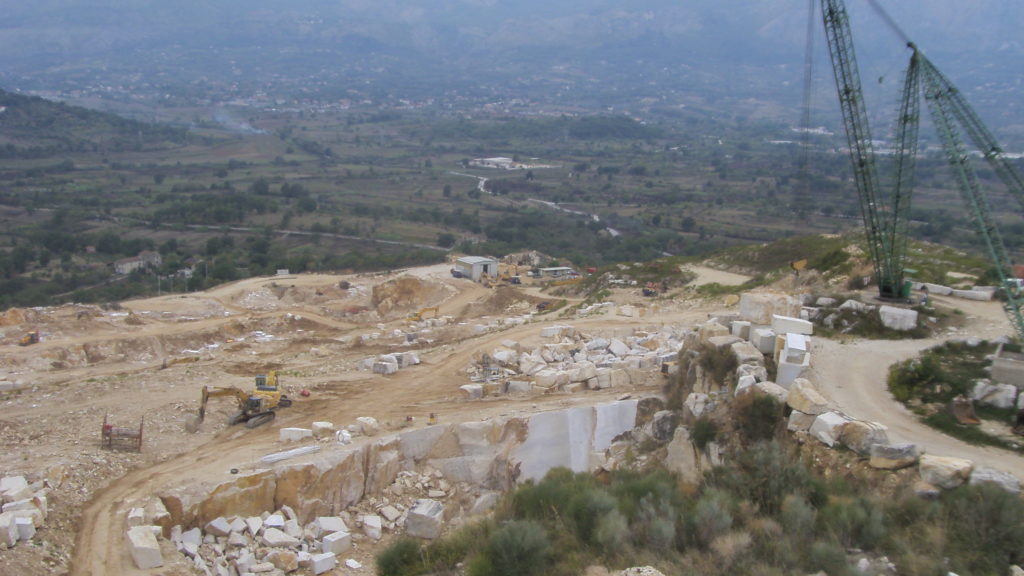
x=735, y=48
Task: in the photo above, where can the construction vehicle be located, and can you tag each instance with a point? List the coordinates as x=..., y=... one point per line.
x=29, y=338
x=254, y=408
x=422, y=313
x=650, y=290
x=886, y=217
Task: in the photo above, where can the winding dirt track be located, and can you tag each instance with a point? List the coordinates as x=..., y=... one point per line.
x=853, y=376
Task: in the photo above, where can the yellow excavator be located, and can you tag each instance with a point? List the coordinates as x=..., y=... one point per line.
x=254, y=408
x=422, y=313
x=29, y=339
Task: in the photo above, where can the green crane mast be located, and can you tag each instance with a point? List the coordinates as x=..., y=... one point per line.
x=885, y=213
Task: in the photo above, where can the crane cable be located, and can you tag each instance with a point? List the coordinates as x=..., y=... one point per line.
x=803, y=170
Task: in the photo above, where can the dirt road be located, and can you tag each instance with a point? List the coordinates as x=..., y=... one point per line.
x=853, y=376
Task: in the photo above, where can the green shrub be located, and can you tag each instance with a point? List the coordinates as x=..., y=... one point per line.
x=703, y=432
x=548, y=497
x=586, y=508
x=401, y=558
x=985, y=528
x=854, y=522
x=519, y=548
x=757, y=417
x=718, y=364
x=798, y=516
x=447, y=552
x=712, y=516
x=654, y=526
x=829, y=558
x=612, y=532
x=765, y=473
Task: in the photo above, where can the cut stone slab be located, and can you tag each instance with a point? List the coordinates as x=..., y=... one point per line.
x=8, y=530
x=790, y=325
x=860, y=436
x=274, y=521
x=274, y=538
x=328, y=525
x=368, y=425
x=828, y=427
x=372, y=526
x=898, y=318
x=390, y=513
x=26, y=529
x=425, y=519
x=237, y=540
x=893, y=457
x=136, y=517
x=771, y=389
x=944, y=472
x=295, y=434
x=144, y=548
x=747, y=353
x=804, y=397
x=321, y=563
x=193, y=536
x=336, y=542
x=218, y=527
x=254, y=524
x=1004, y=480
x=323, y=429
x=800, y=422
x=763, y=339
x=473, y=391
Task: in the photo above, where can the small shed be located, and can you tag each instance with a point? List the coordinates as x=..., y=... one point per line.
x=556, y=272
x=475, y=267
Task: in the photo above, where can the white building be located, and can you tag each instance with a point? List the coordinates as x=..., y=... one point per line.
x=475, y=267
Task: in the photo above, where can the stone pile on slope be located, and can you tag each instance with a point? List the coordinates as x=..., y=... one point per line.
x=574, y=361
x=24, y=509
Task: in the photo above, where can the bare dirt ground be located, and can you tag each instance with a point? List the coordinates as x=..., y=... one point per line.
x=149, y=359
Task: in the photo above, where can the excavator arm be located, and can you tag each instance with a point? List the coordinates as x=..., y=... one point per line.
x=240, y=395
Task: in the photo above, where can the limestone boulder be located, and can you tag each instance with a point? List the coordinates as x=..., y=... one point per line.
x=901, y=319
x=144, y=548
x=892, y=456
x=860, y=436
x=695, y=404
x=828, y=427
x=804, y=397
x=998, y=395
x=944, y=472
x=336, y=542
x=759, y=307
x=284, y=560
x=1004, y=480
x=800, y=422
x=663, y=425
x=771, y=389
x=274, y=538
x=747, y=353
x=425, y=519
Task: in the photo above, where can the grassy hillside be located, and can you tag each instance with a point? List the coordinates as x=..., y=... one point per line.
x=32, y=127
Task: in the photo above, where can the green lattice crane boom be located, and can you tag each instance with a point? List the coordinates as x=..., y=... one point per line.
x=885, y=211
x=950, y=113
